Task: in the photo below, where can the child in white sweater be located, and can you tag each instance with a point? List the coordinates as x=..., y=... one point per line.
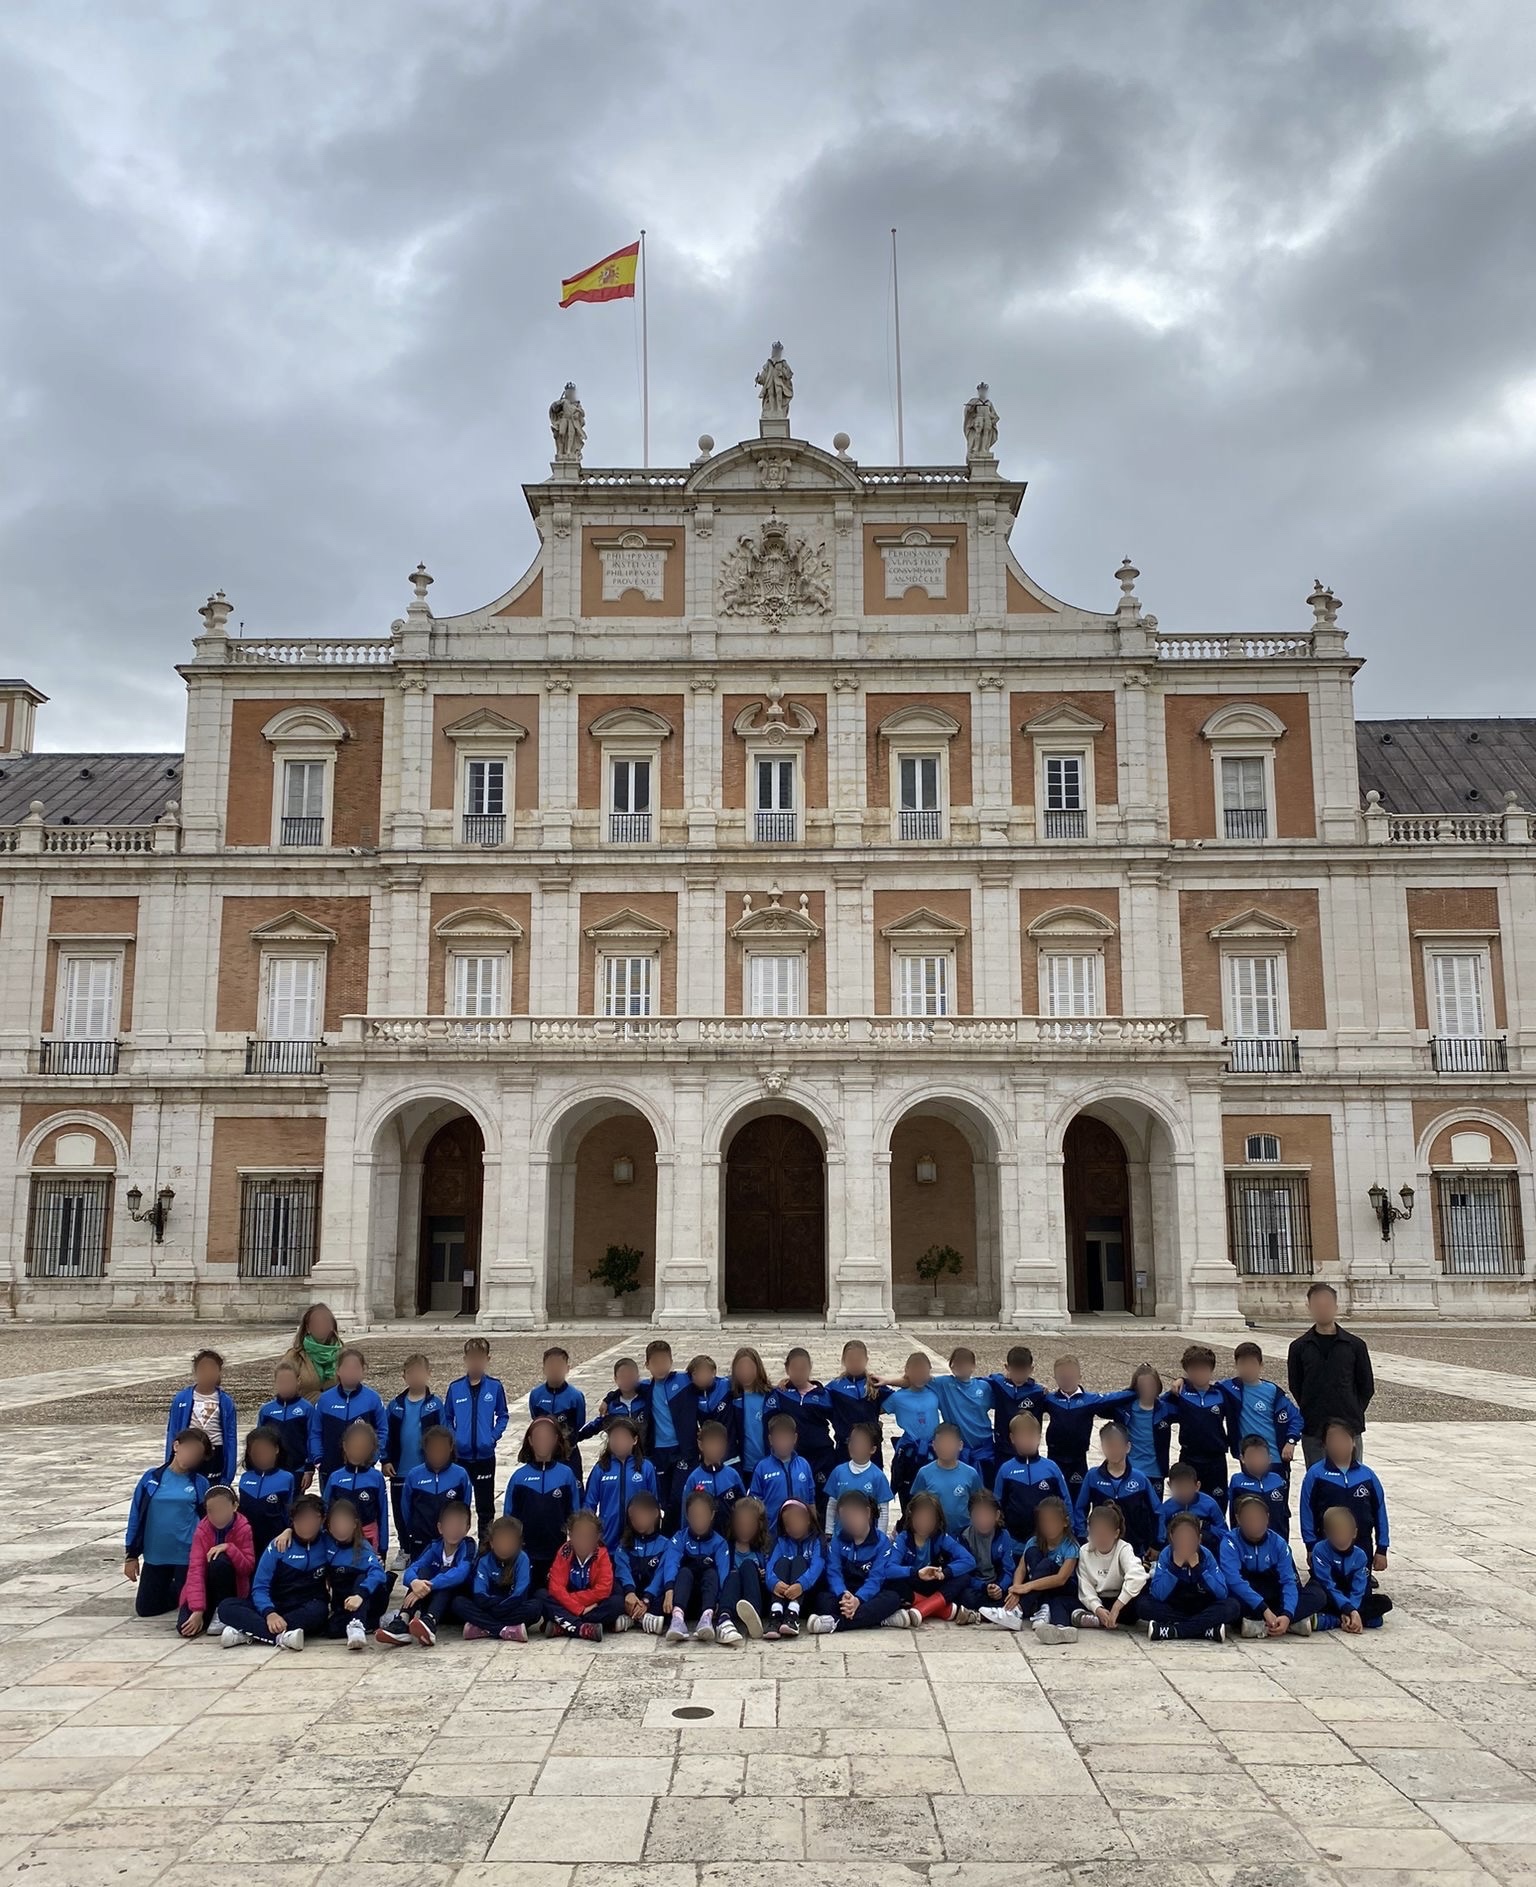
x=1109, y=1575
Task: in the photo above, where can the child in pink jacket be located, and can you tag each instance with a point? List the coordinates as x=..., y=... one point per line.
x=222, y=1559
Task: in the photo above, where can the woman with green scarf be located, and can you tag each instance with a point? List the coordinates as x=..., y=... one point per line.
x=315, y=1349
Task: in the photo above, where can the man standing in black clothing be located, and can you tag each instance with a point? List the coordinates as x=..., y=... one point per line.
x=1329, y=1372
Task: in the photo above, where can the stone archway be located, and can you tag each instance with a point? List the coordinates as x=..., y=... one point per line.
x=602, y=1191
x=1096, y=1183
x=449, y=1238
x=775, y=1217
x=945, y=1190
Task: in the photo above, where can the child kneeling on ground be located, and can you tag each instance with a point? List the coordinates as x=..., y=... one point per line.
x=432, y=1580
x=1187, y=1596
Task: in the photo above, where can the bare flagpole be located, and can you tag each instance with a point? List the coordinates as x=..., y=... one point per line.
x=901, y=437
x=645, y=365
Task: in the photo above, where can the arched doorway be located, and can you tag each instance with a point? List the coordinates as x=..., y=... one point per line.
x=602, y=1192
x=944, y=1185
x=775, y=1218
x=448, y=1256
x=1097, y=1185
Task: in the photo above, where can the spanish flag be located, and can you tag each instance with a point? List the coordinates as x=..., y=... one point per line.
x=612, y=279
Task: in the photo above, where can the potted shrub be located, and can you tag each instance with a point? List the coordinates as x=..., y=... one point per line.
x=620, y=1271
x=935, y=1263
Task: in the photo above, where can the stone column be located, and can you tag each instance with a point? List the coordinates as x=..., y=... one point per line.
x=850, y=965
x=512, y=1220
x=701, y=759
x=991, y=760
x=558, y=742
x=859, y=1214
x=1141, y=759
x=997, y=975
x=1208, y=1281
x=414, y=788
x=555, y=946
x=341, y=1272
x=700, y=945
x=845, y=759
x=1149, y=944
x=687, y=1293
x=1034, y=1270
x=406, y=924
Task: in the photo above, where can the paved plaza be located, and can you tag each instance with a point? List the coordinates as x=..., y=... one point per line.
x=1406, y=1758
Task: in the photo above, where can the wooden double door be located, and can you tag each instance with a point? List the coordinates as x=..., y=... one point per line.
x=775, y=1218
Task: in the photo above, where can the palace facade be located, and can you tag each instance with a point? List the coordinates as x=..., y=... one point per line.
x=777, y=880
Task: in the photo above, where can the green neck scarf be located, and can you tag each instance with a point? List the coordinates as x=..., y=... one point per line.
x=323, y=1356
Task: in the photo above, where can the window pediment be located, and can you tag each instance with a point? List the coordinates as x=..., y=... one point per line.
x=1253, y=926
x=310, y=725
x=293, y=927
x=630, y=724
x=629, y=927
x=921, y=926
x=486, y=724
x=1064, y=718
x=1071, y=923
x=926, y=723
x=479, y=925
x=772, y=920
x=1243, y=720
x=775, y=721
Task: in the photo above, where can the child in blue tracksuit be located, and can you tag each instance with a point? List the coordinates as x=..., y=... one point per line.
x=638, y=1562
x=1260, y=1573
x=1338, y=1480
x=662, y=1450
x=861, y=1469
x=1043, y=1591
x=848, y=1401
x=562, y=1402
x=361, y=1480
x=475, y=1408
x=782, y=1474
x=795, y=1569
x=1341, y=1570
x=745, y=1410
x=435, y=1478
x=1147, y=1412
x=1257, y=1476
x=994, y=1552
x=712, y=1472
x=356, y=1582
x=266, y=1488
x=914, y=1404
x=743, y=1598
x=542, y=1495
x=207, y=1405
x=1185, y=1497
x=929, y=1566
x=1071, y=1411
x=693, y=1572
x=349, y=1399
x=801, y=1396
x=1025, y=1479
x=499, y=1601
x=408, y=1419
x=162, y=1517
x=432, y=1581
x=1187, y=1595
x=969, y=1401
x=703, y=1400
x=856, y=1596
x=949, y=1478
x=289, y=1412
x=1115, y=1479
x=1013, y=1388
x=620, y=1472
x=624, y=1398
x=1201, y=1410
x=289, y=1595
x=1256, y=1406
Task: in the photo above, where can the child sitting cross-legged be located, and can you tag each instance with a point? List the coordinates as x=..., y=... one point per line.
x=694, y=1571
x=796, y=1565
x=1347, y=1600
x=499, y=1601
x=581, y=1599
x=638, y=1562
x=431, y=1581
x=356, y=1579
x=288, y=1591
x=1187, y=1595
x=221, y=1561
x=995, y=1554
x=1043, y=1593
x=1110, y=1575
x=929, y=1566
x=743, y=1594
x=1261, y=1575
x=856, y=1595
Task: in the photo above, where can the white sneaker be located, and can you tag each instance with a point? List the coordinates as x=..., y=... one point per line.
x=1254, y=1628
x=904, y=1620
x=654, y=1623
x=622, y=1622
x=1000, y=1615
x=1048, y=1634
x=821, y=1623
x=727, y=1633
x=1086, y=1621
x=751, y=1620
x=357, y=1637
x=291, y=1640
x=230, y=1637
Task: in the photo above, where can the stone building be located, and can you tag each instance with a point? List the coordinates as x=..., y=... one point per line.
x=778, y=880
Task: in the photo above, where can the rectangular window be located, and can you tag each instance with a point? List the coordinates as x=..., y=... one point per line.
x=485, y=787
x=293, y=989
x=479, y=985
x=90, y=991
x=67, y=1227
x=1253, y=996
x=1269, y=1226
x=921, y=811
x=774, y=983
x=629, y=813
x=304, y=789
x=1480, y=1230
x=1072, y=984
x=279, y=1225
x=1066, y=805
x=627, y=985
x=1458, y=978
x=923, y=986
x=775, y=815
x=1244, y=797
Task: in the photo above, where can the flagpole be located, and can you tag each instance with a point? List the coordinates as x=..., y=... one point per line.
x=901, y=437
x=645, y=364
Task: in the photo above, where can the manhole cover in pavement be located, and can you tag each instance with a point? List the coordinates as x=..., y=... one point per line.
x=693, y=1712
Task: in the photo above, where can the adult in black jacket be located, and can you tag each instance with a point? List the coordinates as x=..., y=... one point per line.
x=1329, y=1372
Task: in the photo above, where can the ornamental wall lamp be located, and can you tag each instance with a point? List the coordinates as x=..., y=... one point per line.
x=1388, y=1214
x=153, y=1216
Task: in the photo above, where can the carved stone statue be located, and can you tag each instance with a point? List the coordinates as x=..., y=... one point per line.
x=980, y=424
x=777, y=382
x=568, y=423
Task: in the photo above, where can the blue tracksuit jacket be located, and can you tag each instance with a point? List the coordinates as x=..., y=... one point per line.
x=431, y=1407
x=995, y=1556
x=700, y=1548
x=1022, y=1483
x=723, y=1484
x=940, y=1549
x=664, y=1389
x=969, y=1402
x=138, y=1507
x=1262, y=1409
x=543, y=1499
x=1202, y=1418
x=291, y=1420
x=636, y=1407
x=368, y=1491
x=775, y=1481
x=1132, y=1493
x=1272, y=1490
x=1008, y=1397
x=857, y=1567
x=1201, y=1583
x=283, y=1581
x=1213, y=1522
x=265, y=1500
x=1069, y=1427
x=478, y=1415
x=917, y=1413
x=1345, y=1577
x=1355, y=1487
x=334, y=1409
x=1252, y=1570
x=566, y=1407
x=226, y=1464
x=422, y=1494
x=812, y=1410
x=637, y=1567
x=796, y=1563
x=485, y=1581
x=849, y=1402
x=354, y=1568
x=1150, y=1429
x=691, y=1405
x=439, y=1570
x=611, y=1486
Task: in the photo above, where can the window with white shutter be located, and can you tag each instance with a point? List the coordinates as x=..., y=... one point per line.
x=774, y=983
x=1458, y=981
x=90, y=998
x=1072, y=984
x=1253, y=996
x=293, y=999
x=479, y=985
x=628, y=983
x=923, y=984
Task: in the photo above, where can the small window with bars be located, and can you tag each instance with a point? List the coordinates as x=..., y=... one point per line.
x=1480, y=1231
x=1262, y=1149
x=279, y=1225
x=1269, y=1225
x=67, y=1226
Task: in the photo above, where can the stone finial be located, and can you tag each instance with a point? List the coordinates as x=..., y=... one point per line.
x=421, y=582
x=1324, y=605
x=1128, y=609
x=216, y=613
x=775, y=898
x=172, y=814
x=746, y=903
x=840, y=445
x=805, y=904
x=1126, y=576
x=34, y=813
x=706, y=446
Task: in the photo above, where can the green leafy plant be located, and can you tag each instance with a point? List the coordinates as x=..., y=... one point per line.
x=937, y=1262
x=619, y=1270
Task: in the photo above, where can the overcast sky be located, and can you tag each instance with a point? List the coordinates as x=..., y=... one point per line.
x=1254, y=287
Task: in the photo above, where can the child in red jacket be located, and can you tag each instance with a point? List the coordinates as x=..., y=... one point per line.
x=582, y=1598
x=222, y=1559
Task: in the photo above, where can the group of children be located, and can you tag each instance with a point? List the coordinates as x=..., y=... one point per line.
x=727, y=1508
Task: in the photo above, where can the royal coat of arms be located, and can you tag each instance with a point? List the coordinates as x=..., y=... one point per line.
x=774, y=574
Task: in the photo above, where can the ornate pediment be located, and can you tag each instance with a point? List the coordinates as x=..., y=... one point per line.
x=775, y=574
x=1254, y=925
x=628, y=926
x=314, y=727
x=920, y=719
x=773, y=920
x=630, y=724
x=479, y=924
x=772, y=465
x=293, y=927
x=775, y=721
x=1071, y=921
x=485, y=724
x=1243, y=720
x=1063, y=718
x=922, y=923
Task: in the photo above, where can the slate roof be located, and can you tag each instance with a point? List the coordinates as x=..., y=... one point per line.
x=90, y=789
x=1447, y=766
